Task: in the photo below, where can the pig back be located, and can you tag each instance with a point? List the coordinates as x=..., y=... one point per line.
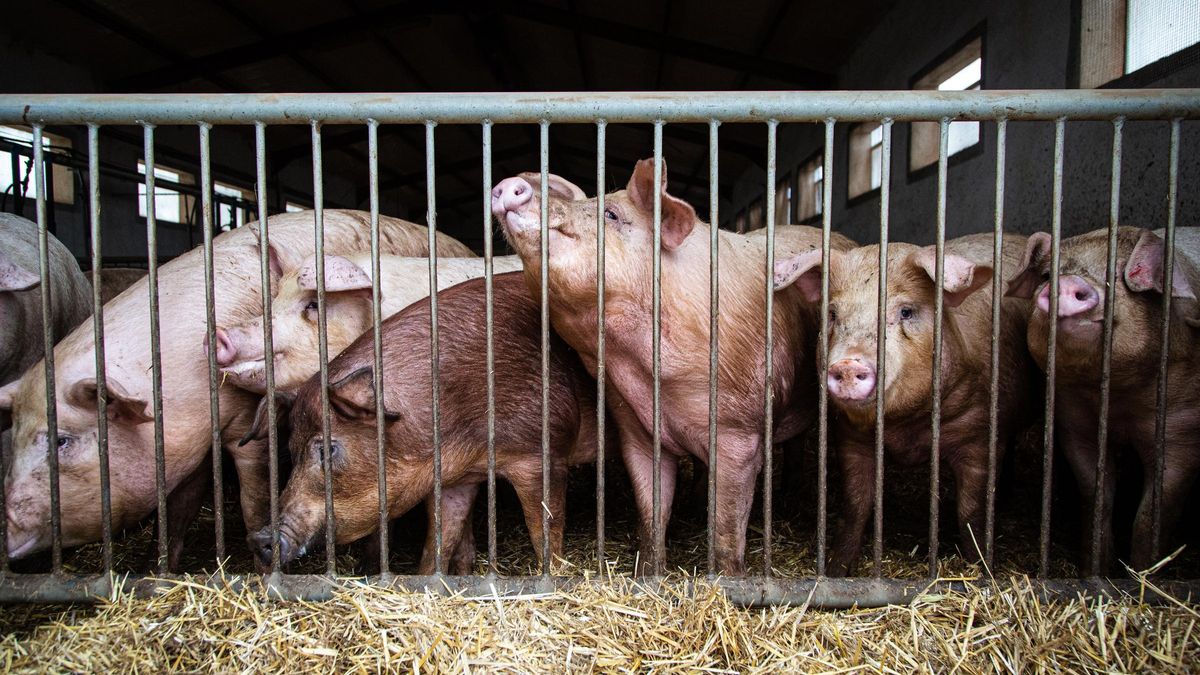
x=21, y=340
x=114, y=280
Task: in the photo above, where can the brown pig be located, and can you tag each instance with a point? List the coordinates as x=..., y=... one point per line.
x=407, y=402
x=347, y=309
x=853, y=386
x=628, y=222
x=1136, y=350
x=185, y=387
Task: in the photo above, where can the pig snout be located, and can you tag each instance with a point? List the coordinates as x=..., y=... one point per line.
x=226, y=349
x=1076, y=297
x=511, y=202
x=851, y=380
x=260, y=544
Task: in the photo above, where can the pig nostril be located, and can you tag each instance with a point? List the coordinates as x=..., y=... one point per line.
x=1080, y=296
x=862, y=376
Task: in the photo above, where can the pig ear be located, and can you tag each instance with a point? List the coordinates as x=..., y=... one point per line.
x=960, y=278
x=555, y=184
x=353, y=396
x=259, y=428
x=13, y=277
x=804, y=270
x=678, y=217
x=1025, y=282
x=1144, y=270
x=340, y=275
x=121, y=405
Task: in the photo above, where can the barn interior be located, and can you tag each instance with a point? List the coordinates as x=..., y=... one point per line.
x=222, y=46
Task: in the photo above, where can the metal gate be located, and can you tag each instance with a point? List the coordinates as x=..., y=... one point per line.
x=657, y=109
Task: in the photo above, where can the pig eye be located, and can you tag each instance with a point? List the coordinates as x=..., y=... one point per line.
x=336, y=452
x=311, y=306
x=64, y=441
x=907, y=313
x=609, y=214
x=832, y=314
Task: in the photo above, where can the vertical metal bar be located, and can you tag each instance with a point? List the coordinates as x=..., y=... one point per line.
x=323, y=345
x=1060, y=129
x=214, y=400
x=997, y=301
x=544, y=149
x=885, y=173
x=768, y=351
x=935, y=422
x=489, y=317
x=160, y=474
x=601, y=127
x=264, y=270
x=39, y=181
x=377, y=335
x=98, y=339
x=656, y=524
x=823, y=352
x=1110, y=279
x=434, y=354
x=714, y=297
x=1160, y=409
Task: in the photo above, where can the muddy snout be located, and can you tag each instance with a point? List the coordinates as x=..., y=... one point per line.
x=851, y=380
x=512, y=204
x=1076, y=298
x=289, y=548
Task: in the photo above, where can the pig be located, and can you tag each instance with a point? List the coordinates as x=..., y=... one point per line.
x=21, y=340
x=348, y=311
x=628, y=222
x=409, y=423
x=1137, y=317
x=853, y=386
x=187, y=432
x=114, y=281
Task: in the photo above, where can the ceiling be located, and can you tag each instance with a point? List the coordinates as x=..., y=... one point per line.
x=530, y=45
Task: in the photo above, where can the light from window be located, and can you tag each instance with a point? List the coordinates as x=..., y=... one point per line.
x=169, y=204
x=293, y=207
x=866, y=158
x=783, y=201
x=1159, y=28
x=876, y=157
x=810, y=199
x=62, y=182
x=229, y=215
x=961, y=72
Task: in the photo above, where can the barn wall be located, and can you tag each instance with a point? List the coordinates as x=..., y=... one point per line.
x=1026, y=46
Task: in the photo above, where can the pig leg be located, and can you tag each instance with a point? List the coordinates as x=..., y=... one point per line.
x=738, y=466
x=527, y=481
x=858, y=499
x=639, y=462
x=970, y=482
x=1080, y=448
x=251, y=462
x=458, y=539
x=182, y=506
x=1180, y=468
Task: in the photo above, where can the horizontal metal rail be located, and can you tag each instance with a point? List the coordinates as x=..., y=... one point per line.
x=554, y=107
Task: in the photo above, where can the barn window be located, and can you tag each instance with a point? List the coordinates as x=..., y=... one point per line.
x=866, y=158
x=1120, y=37
x=170, y=205
x=17, y=143
x=961, y=71
x=230, y=215
x=810, y=183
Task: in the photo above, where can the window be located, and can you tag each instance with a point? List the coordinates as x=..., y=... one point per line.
x=169, y=204
x=810, y=183
x=62, y=182
x=783, y=201
x=866, y=158
x=228, y=214
x=962, y=71
x=1119, y=37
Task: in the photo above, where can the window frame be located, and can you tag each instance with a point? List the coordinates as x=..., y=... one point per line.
x=1143, y=77
x=977, y=149
x=799, y=174
x=244, y=194
x=186, y=201
x=62, y=176
x=872, y=192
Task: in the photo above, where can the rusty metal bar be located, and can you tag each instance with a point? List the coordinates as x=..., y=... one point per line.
x=1099, y=512
x=823, y=352
x=160, y=472
x=489, y=317
x=768, y=350
x=52, y=438
x=434, y=352
x=885, y=173
x=544, y=219
x=714, y=308
x=601, y=128
x=323, y=346
x=106, y=533
x=1160, y=421
x=214, y=399
x=935, y=415
x=989, y=535
x=264, y=270
x=377, y=345
x=657, y=526
x=1060, y=127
